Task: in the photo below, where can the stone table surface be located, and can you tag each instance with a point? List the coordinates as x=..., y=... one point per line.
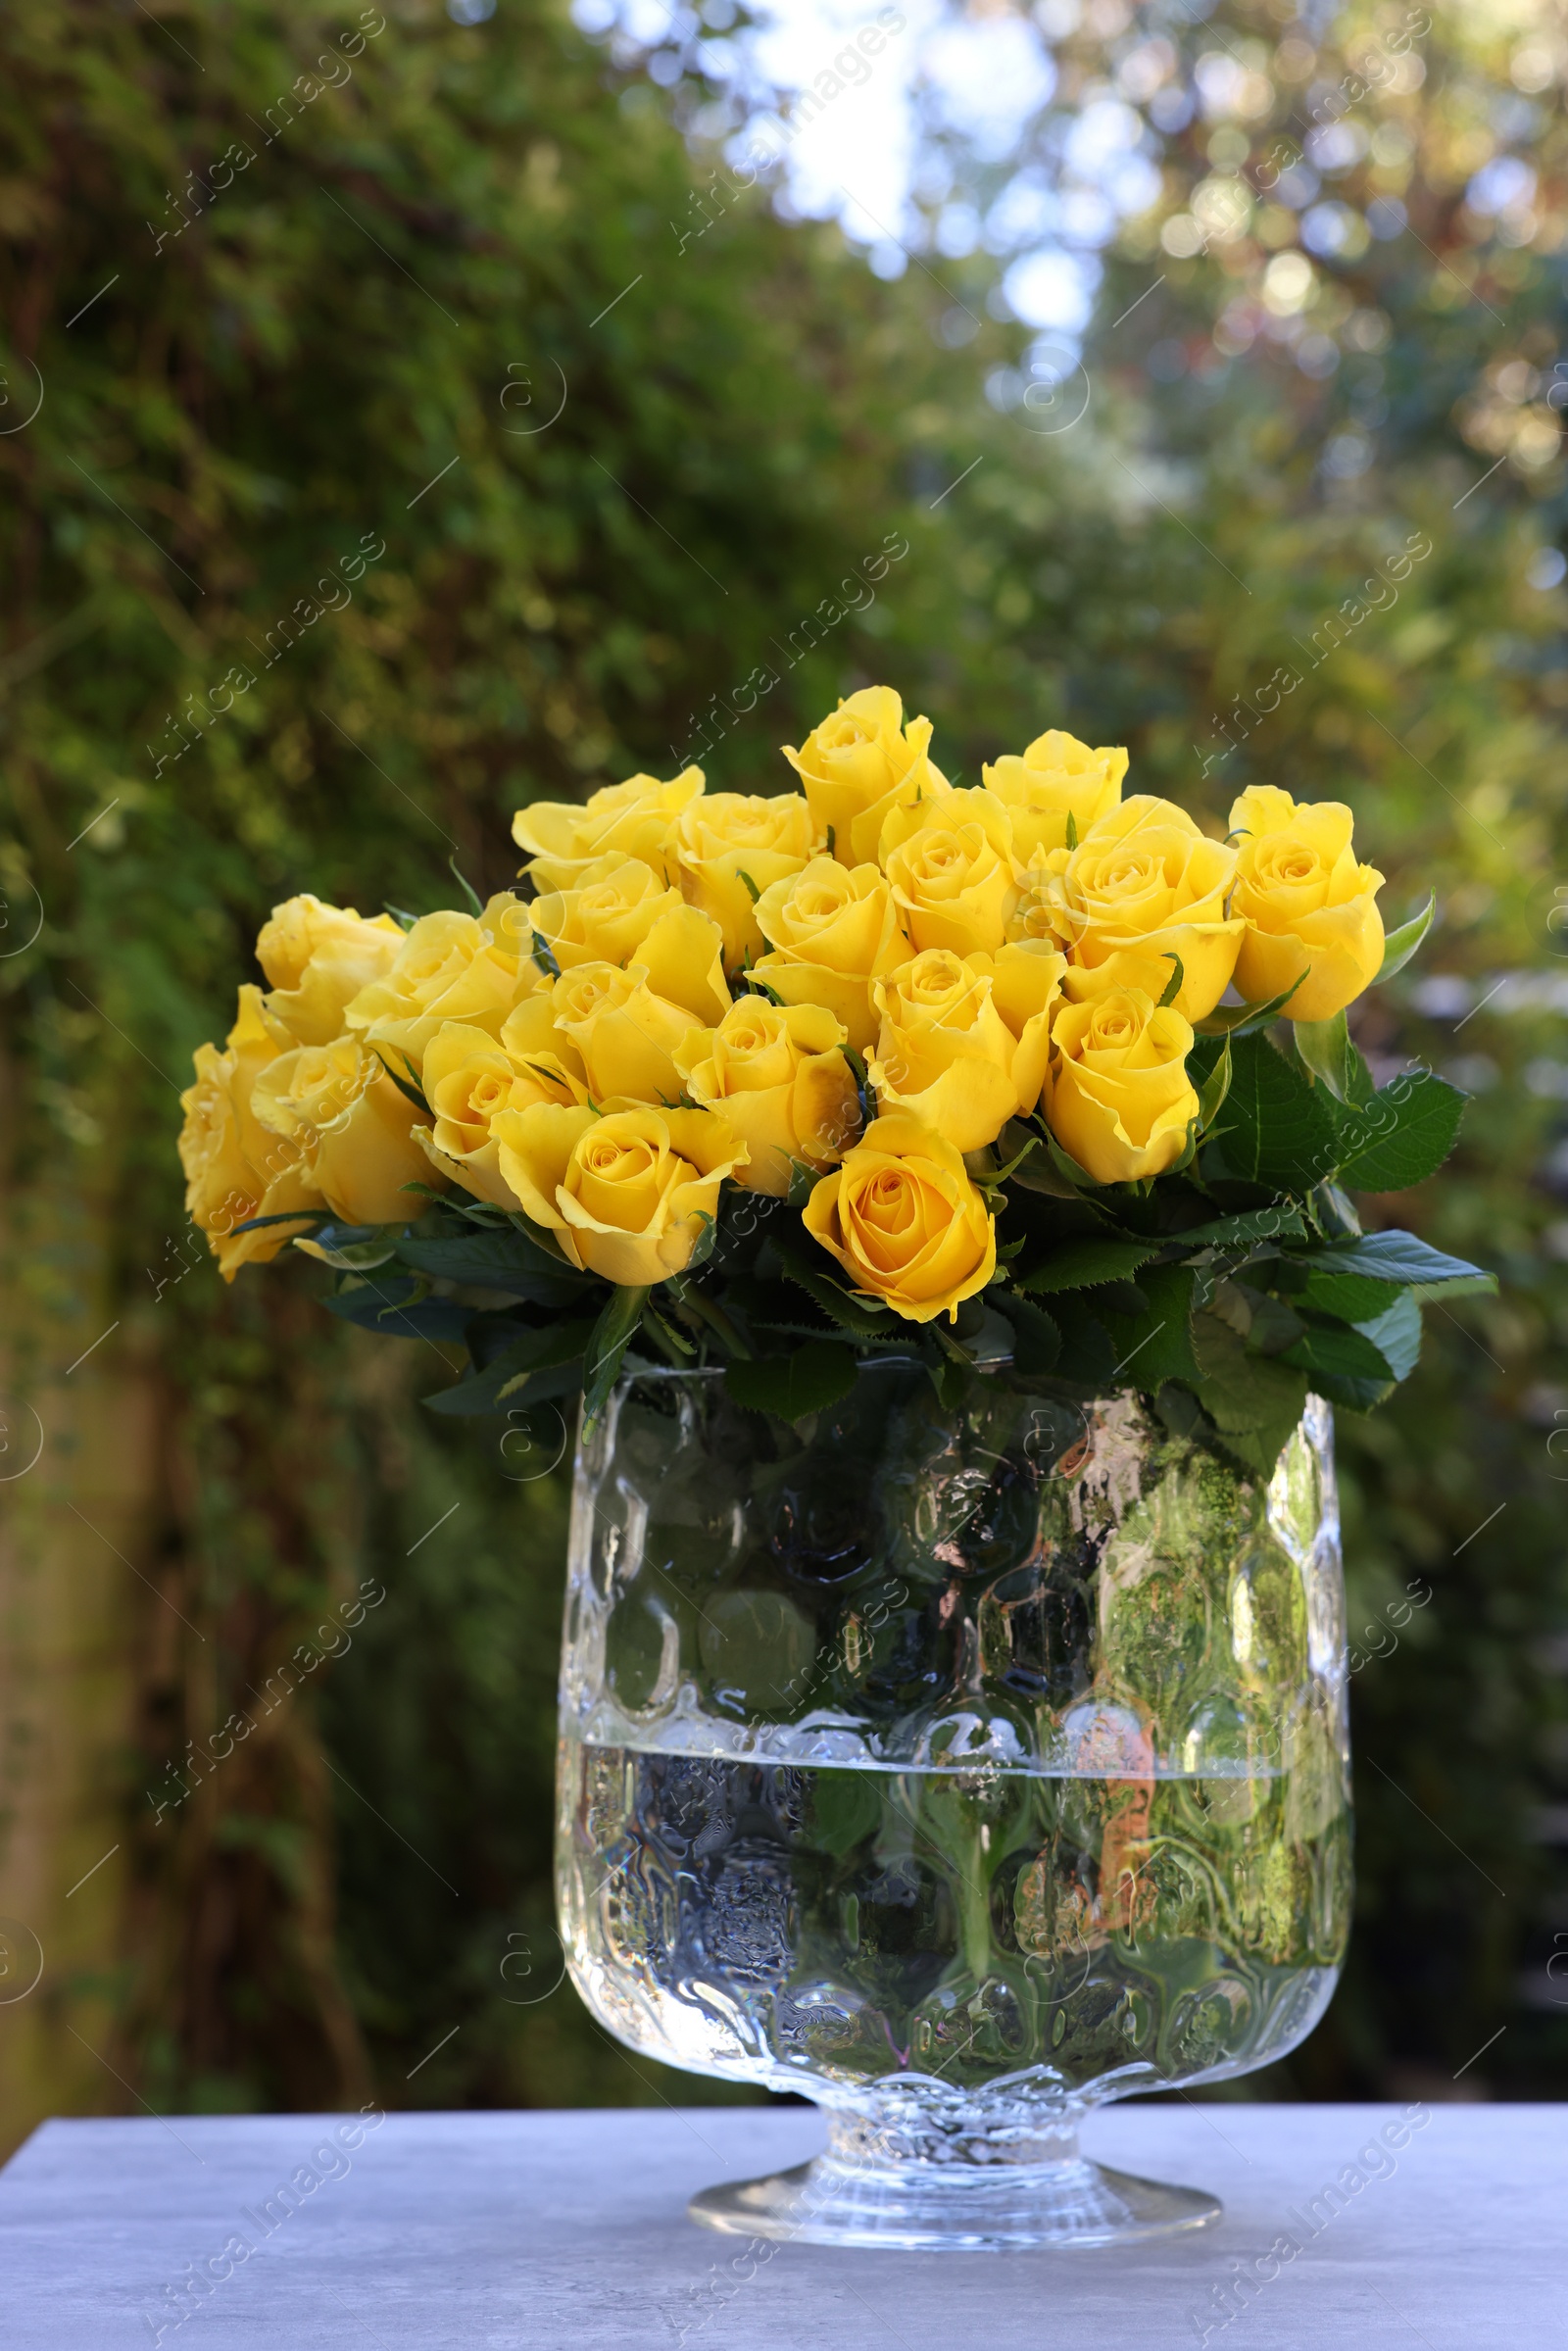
x=567, y=2233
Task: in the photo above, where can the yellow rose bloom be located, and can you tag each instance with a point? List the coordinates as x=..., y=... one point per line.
x=1117, y=1096
x=724, y=841
x=683, y=957
x=860, y=764
x=469, y=1079
x=633, y=819
x=776, y=1074
x=625, y=1033
x=1037, y=912
x=1310, y=907
x=832, y=931
x=605, y=916
x=946, y=1053
x=1056, y=778
x=625, y=1195
x=337, y=1103
x=1146, y=878
x=905, y=1220
x=235, y=1167
x=316, y=959
x=950, y=861
x=450, y=968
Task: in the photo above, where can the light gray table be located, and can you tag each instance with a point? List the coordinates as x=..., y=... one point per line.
x=567, y=2233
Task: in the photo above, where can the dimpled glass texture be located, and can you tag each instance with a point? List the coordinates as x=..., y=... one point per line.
x=958, y=1766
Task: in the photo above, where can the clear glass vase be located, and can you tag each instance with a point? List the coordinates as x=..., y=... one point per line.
x=959, y=1766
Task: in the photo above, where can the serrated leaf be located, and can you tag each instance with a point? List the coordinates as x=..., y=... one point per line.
x=1280, y=1130
x=1395, y=1255
x=1400, y=944
x=1037, y=1336
x=1253, y=1401
x=1340, y=1349
x=1416, y=1123
x=1159, y=1345
x=851, y=1313
x=1244, y=1229
x=1088, y=1356
x=1082, y=1265
x=1395, y=1332
x=792, y=1386
x=1357, y=1298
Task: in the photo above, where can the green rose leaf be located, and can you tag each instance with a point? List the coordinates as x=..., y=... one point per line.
x=1400, y=944
x=1395, y=1255
x=1278, y=1130
x=542, y=1362
x=1409, y=1128
x=792, y=1386
x=1157, y=1346
x=1083, y=1264
x=611, y=1334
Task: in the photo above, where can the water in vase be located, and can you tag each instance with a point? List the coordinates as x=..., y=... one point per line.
x=1086, y=1934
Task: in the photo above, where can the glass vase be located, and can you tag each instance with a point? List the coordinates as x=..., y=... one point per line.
x=959, y=1765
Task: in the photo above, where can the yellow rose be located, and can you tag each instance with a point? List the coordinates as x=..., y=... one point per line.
x=832, y=930
x=450, y=968
x=236, y=1168
x=633, y=819
x=950, y=861
x=727, y=840
x=1146, y=878
x=1118, y=1098
x=316, y=959
x=336, y=1102
x=860, y=764
x=605, y=916
x=1056, y=778
x=626, y=1033
x=625, y=1195
x=469, y=1079
x=904, y=1221
x=1036, y=914
x=1310, y=907
x=947, y=1051
x=683, y=957
x=776, y=1074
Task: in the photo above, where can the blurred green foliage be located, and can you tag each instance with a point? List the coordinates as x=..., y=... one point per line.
x=365, y=333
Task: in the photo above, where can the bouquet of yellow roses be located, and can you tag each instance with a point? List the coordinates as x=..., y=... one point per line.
x=1029, y=1078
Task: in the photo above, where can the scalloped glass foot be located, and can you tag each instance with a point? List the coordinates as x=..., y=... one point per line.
x=944, y=2207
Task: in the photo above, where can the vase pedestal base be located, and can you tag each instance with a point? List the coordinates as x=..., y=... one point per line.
x=953, y=2207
